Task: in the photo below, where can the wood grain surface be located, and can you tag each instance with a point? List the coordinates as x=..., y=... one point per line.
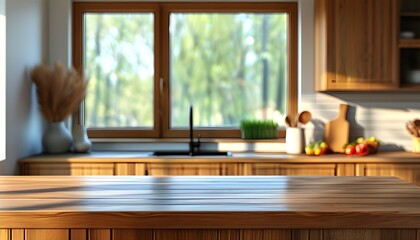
x=227, y=202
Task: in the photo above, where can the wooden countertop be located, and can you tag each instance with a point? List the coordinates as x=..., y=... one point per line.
x=198, y=202
x=382, y=157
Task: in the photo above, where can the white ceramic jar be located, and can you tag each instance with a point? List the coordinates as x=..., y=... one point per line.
x=295, y=140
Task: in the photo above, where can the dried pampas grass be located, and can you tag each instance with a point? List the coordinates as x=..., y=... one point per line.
x=60, y=91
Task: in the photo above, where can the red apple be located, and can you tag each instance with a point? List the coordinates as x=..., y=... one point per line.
x=362, y=149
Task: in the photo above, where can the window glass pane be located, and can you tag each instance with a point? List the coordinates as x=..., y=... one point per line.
x=229, y=66
x=119, y=65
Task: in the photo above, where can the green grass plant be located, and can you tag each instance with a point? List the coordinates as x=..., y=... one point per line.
x=259, y=129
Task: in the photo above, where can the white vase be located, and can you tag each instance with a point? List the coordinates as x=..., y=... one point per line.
x=57, y=139
x=81, y=142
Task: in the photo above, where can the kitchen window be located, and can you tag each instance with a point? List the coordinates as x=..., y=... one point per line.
x=146, y=63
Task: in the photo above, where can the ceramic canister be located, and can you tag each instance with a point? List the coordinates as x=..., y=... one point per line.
x=295, y=140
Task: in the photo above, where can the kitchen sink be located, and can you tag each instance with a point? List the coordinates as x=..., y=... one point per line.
x=194, y=146
x=187, y=153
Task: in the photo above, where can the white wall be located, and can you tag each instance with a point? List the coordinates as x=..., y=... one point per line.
x=59, y=26
x=2, y=80
x=26, y=46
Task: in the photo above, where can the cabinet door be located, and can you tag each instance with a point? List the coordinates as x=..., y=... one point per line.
x=135, y=169
x=172, y=169
x=46, y=234
x=5, y=234
x=132, y=234
x=407, y=172
x=289, y=169
x=231, y=169
x=355, y=44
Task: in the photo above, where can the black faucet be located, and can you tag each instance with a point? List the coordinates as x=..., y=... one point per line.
x=193, y=145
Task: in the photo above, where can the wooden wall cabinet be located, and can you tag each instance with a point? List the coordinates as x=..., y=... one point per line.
x=409, y=43
x=356, y=45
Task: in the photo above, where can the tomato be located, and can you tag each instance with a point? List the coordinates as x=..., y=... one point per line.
x=350, y=150
x=362, y=149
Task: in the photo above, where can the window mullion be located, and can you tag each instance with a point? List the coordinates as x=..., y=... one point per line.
x=165, y=105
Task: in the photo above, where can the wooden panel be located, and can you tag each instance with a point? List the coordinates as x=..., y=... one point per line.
x=398, y=234
x=78, y=234
x=346, y=169
x=289, y=169
x=5, y=234
x=356, y=45
x=18, y=234
x=315, y=234
x=300, y=234
x=132, y=234
x=74, y=169
x=46, y=234
x=230, y=169
x=171, y=169
x=92, y=169
x=248, y=169
x=186, y=234
x=352, y=234
x=230, y=234
x=203, y=234
x=369, y=234
x=266, y=234
x=99, y=234
x=137, y=169
x=407, y=172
